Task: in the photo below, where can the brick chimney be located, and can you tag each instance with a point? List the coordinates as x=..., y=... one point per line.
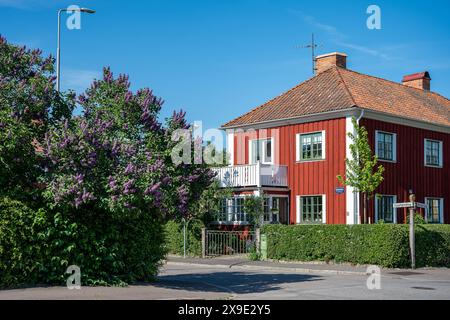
x=325, y=61
x=419, y=80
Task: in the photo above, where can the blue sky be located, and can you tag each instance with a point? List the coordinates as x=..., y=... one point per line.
x=218, y=59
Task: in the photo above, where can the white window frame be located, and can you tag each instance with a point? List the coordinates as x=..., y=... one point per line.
x=441, y=214
x=229, y=210
x=394, y=212
x=298, y=148
x=229, y=214
x=441, y=159
x=394, y=145
x=272, y=149
x=298, y=207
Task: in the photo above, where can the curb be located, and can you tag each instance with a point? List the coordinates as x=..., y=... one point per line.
x=254, y=267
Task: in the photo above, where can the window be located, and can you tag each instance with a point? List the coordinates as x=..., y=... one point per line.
x=312, y=209
x=275, y=209
x=231, y=210
x=311, y=146
x=261, y=150
x=435, y=210
x=433, y=153
x=266, y=210
x=384, y=209
x=385, y=147
x=223, y=210
x=238, y=210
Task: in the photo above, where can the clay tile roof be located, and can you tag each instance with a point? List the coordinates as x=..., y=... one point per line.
x=339, y=89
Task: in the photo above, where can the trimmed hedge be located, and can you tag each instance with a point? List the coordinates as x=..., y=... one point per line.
x=385, y=245
x=433, y=245
x=37, y=246
x=174, y=238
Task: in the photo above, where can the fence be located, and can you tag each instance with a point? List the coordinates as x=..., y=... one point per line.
x=219, y=243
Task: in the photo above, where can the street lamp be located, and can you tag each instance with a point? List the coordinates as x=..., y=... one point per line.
x=86, y=10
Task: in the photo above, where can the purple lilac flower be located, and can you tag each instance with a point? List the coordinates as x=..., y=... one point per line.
x=78, y=202
x=112, y=183
x=166, y=180
x=79, y=178
x=130, y=168
x=193, y=178
x=107, y=75
x=183, y=197
x=87, y=196
x=152, y=190
x=157, y=199
x=128, y=187
x=128, y=96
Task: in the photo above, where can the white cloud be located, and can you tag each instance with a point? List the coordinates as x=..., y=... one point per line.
x=331, y=30
x=78, y=80
x=364, y=49
x=340, y=38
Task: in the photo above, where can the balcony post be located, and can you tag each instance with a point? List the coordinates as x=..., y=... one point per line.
x=258, y=174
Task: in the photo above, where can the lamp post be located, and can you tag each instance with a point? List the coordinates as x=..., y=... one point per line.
x=58, y=61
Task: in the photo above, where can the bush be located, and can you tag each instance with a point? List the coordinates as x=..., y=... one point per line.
x=418, y=219
x=20, y=250
x=174, y=238
x=433, y=245
x=253, y=254
x=37, y=247
x=385, y=245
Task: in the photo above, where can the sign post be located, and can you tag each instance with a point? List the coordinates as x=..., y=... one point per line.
x=412, y=239
x=411, y=205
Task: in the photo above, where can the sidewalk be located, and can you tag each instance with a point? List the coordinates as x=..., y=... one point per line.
x=306, y=267
x=242, y=262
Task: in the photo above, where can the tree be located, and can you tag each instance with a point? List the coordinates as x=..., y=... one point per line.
x=254, y=207
x=104, y=180
x=29, y=105
x=116, y=156
x=111, y=169
x=362, y=171
x=210, y=202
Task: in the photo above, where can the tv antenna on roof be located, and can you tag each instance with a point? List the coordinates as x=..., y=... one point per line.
x=313, y=46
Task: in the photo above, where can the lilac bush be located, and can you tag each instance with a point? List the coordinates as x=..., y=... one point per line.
x=29, y=105
x=115, y=157
x=97, y=187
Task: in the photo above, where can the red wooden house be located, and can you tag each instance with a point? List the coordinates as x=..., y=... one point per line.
x=292, y=148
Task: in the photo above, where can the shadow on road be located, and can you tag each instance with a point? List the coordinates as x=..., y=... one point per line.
x=236, y=282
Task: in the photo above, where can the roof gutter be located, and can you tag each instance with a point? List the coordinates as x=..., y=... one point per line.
x=360, y=116
x=293, y=120
x=370, y=114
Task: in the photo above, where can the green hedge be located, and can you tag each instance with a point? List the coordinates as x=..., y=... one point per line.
x=385, y=245
x=174, y=238
x=37, y=246
x=20, y=250
x=433, y=245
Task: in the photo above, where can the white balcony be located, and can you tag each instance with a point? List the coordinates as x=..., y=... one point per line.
x=252, y=175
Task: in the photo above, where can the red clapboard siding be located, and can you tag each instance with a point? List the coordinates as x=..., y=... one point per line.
x=308, y=178
x=409, y=172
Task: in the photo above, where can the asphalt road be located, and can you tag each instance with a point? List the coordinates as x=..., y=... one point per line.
x=244, y=283
x=188, y=281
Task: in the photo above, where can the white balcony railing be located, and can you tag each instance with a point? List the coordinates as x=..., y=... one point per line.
x=256, y=175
